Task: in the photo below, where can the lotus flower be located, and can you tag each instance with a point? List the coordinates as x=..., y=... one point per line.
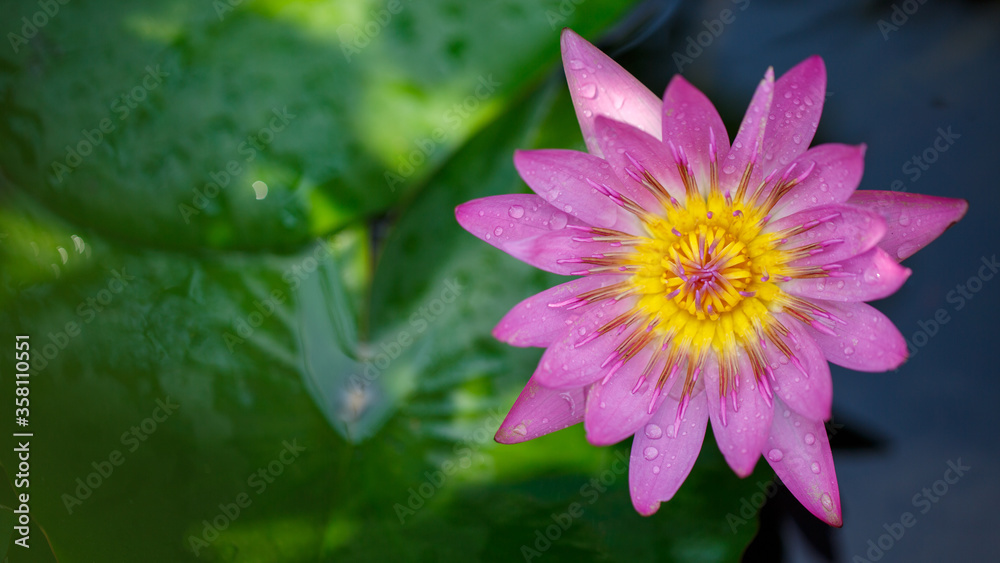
x=716, y=279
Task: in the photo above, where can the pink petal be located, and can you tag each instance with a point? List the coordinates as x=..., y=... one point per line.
x=600, y=86
x=809, y=390
x=865, y=340
x=619, y=141
x=749, y=137
x=913, y=220
x=798, y=101
x=836, y=173
x=745, y=431
x=538, y=411
x=530, y=230
x=614, y=412
x=662, y=458
x=689, y=121
x=845, y=232
x=534, y=322
x=564, y=365
x=561, y=178
x=866, y=277
x=799, y=452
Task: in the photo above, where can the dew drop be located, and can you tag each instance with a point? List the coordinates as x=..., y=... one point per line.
x=558, y=221
x=575, y=64
x=827, y=501
x=788, y=95
x=671, y=431
x=848, y=351
x=809, y=438
x=905, y=250
x=520, y=430
x=904, y=219
x=545, y=421
x=653, y=432
x=656, y=470
x=617, y=100
x=498, y=231
x=569, y=399
x=568, y=208
x=815, y=468
x=516, y=211
x=775, y=455
x=603, y=404
x=588, y=91
x=650, y=453
x=729, y=169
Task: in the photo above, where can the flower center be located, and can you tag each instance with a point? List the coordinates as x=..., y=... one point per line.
x=706, y=279
x=706, y=271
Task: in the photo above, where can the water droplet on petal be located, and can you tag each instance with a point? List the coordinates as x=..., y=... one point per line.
x=814, y=467
x=498, y=231
x=653, y=432
x=650, y=453
x=656, y=470
x=558, y=221
x=809, y=438
x=775, y=455
x=516, y=211
x=588, y=90
x=617, y=100
x=569, y=399
x=827, y=501
x=848, y=351
x=520, y=430
x=904, y=219
x=671, y=431
x=575, y=64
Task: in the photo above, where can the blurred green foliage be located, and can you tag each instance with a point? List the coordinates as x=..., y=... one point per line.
x=198, y=344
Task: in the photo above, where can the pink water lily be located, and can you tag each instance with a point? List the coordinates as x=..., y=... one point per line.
x=716, y=279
